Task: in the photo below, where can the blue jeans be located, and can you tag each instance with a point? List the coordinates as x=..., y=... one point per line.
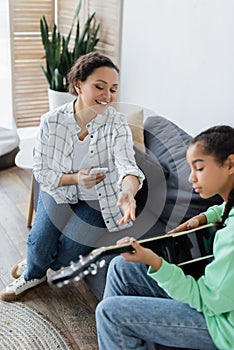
x=136, y=312
x=61, y=233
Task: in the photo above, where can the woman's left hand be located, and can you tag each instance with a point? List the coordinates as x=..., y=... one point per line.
x=127, y=202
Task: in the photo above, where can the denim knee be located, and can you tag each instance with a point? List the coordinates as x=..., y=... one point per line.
x=106, y=309
x=116, y=263
x=130, y=278
x=125, y=268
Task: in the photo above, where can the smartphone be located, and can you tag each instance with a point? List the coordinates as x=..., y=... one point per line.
x=98, y=171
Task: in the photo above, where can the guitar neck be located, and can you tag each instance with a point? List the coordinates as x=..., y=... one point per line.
x=182, y=248
x=148, y=242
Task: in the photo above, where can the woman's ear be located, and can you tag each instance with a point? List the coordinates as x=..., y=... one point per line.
x=78, y=86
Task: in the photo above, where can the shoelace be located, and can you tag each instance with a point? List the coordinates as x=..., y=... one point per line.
x=22, y=264
x=18, y=282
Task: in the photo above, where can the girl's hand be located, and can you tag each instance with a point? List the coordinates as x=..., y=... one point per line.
x=88, y=181
x=127, y=202
x=140, y=254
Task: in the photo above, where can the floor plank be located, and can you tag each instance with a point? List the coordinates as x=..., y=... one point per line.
x=9, y=255
x=71, y=308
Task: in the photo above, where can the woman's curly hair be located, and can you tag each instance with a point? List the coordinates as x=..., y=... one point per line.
x=85, y=65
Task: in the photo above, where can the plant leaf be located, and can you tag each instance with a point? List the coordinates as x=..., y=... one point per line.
x=59, y=57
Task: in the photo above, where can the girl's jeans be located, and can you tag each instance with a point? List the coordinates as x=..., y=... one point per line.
x=60, y=234
x=136, y=312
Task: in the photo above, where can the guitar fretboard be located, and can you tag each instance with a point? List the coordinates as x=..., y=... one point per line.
x=120, y=248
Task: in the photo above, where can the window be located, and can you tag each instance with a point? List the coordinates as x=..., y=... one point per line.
x=29, y=85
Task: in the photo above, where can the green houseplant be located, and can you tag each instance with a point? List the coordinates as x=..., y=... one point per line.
x=60, y=54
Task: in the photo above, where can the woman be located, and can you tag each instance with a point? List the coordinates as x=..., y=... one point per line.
x=163, y=305
x=77, y=208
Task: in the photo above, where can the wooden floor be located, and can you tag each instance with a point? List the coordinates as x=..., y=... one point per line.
x=71, y=308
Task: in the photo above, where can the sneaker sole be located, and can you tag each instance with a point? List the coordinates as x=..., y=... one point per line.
x=12, y=296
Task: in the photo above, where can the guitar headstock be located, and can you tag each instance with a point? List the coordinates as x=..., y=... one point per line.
x=78, y=270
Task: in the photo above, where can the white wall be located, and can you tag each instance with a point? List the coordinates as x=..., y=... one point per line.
x=178, y=60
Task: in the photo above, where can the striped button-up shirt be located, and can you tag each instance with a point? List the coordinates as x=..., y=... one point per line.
x=110, y=146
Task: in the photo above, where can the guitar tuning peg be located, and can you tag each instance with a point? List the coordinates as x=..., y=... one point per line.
x=81, y=259
x=76, y=279
x=59, y=285
x=66, y=282
x=102, y=263
x=72, y=264
x=85, y=272
x=93, y=269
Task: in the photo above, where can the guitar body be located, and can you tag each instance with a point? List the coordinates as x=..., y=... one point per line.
x=186, y=249
x=192, y=250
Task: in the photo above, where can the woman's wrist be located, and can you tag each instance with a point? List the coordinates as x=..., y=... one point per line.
x=69, y=179
x=61, y=181
x=130, y=184
x=77, y=178
x=128, y=192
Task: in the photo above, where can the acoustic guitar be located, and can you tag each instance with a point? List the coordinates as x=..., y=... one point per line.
x=192, y=250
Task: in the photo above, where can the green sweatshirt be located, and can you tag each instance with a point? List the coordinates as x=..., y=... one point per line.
x=213, y=293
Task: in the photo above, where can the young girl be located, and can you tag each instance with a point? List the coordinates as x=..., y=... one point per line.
x=163, y=305
x=77, y=208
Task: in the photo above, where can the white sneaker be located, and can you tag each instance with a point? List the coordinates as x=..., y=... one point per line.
x=17, y=288
x=18, y=269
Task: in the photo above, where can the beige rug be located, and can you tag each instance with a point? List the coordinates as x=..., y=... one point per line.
x=22, y=328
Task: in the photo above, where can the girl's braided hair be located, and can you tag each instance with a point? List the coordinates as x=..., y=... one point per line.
x=228, y=207
x=218, y=141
